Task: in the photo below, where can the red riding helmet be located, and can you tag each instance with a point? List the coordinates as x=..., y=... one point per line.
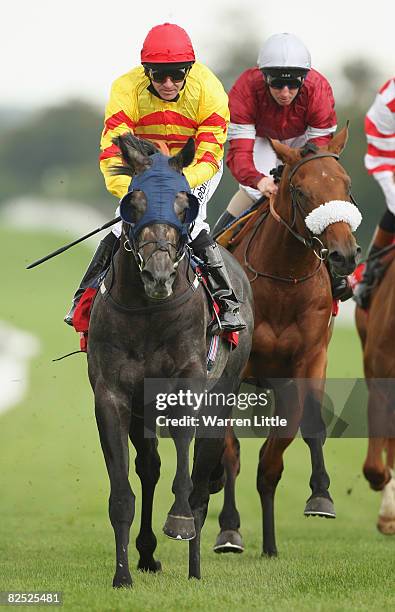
x=167, y=44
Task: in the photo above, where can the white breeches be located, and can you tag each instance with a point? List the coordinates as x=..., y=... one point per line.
x=386, y=180
x=265, y=159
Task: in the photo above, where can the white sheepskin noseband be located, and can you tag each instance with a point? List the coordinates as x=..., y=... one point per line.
x=332, y=212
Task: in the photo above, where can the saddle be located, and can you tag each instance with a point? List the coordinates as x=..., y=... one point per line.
x=82, y=313
x=232, y=235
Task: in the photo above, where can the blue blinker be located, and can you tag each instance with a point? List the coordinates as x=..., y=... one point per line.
x=160, y=184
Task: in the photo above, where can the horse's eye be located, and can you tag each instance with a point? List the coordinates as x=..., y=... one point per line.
x=181, y=203
x=297, y=191
x=139, y=205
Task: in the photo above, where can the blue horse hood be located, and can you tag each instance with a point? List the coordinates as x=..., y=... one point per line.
x=160, y=184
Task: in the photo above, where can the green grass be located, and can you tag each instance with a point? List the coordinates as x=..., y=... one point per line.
x=54, y=530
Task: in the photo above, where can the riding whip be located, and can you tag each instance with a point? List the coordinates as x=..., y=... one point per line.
x=71, y=244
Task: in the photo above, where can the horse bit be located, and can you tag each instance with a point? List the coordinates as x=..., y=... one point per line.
x=131, y=246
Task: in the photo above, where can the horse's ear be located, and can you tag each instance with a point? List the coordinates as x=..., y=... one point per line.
x=284, y=152
x=184, y=157
x=135, y=162
x=339, y=141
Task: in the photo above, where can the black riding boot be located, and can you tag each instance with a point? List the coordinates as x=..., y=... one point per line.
x=220, y=286
x=100, y=261
x=225, y=219
x=372, y=273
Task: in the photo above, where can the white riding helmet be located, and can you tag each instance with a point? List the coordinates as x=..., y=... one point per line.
x=284, y=51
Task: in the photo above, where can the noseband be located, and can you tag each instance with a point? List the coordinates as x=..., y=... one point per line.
x=312, y=241
x=131, y=246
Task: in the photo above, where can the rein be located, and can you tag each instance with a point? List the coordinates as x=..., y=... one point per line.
x=297, y=206
x=130, y=246
x=257, y=273
x=311, y=242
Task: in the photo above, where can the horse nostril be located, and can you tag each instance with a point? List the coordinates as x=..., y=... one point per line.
x=358, y=250
x=336, y=257
x=147, y=276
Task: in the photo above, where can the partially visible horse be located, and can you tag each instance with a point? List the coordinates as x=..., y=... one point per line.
x=149, y=321
x=376, y=329
x=311, y=219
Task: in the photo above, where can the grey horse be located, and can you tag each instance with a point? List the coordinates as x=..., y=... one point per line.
x=149, y=321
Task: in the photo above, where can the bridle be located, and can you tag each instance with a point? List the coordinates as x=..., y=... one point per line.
x=311, y=241
x=131, y=245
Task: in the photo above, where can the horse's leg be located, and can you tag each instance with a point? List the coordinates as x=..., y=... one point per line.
x=313, y=430
x=270, y=468
x=386, y=519
x=380, y=478
x=207, y=453
x=391, y=453
x=179, y=524
x=148, y=469
x=375, y=469
x=271, y=464
x=229, y=538
x=113, y=418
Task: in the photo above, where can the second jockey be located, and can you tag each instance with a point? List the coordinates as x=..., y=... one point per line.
x=282, y=98
x=380, y=162
x=169, y=98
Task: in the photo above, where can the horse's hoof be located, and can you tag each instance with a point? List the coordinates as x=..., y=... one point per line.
x=270, y=553
x=180, y=527
x=320, y=506
x=122, y=581
x=386, y=520
x=229, y=541
x=151, y=566
x=386, y=525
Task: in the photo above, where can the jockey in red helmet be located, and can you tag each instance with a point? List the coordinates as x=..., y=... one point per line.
x=169, y=98
x=167, y=44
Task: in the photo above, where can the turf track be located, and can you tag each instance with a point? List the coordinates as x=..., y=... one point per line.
x=54, y=530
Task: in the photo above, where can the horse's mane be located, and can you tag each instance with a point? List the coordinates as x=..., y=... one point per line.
x=136, y=151
x=309, y=147
x=130, y=146
x=145, y=147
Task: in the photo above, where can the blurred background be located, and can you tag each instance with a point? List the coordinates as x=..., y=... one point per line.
x=58, y=63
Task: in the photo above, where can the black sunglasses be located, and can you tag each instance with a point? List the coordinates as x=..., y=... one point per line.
x=280, y=83
x=176, y=75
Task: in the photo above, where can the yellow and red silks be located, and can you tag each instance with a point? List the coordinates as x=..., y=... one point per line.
x=200, y=111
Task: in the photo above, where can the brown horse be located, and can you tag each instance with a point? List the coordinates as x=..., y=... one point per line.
x=377, y=333
x=283, y=257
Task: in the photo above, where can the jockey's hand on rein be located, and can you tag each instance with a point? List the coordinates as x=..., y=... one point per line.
x=267, y=186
